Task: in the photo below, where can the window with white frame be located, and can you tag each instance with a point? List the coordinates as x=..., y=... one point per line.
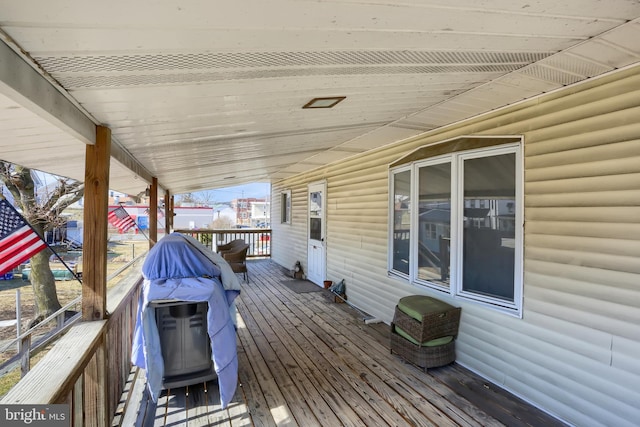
x=285, y=207
x=462, y=234
x=401, y=211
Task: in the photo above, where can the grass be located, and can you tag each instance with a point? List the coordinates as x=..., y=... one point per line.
x=120, y=253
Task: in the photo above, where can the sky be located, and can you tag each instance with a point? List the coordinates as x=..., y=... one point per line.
x=259, y=190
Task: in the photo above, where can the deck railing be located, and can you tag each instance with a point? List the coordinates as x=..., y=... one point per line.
x=89, y=366
x=258, y=239
x=38, y=337
x=30, y=342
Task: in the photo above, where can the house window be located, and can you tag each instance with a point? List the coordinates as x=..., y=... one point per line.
x=434, y=222
x=401, y=184
x=466, y=236
x=285, y=207
x=488, y=249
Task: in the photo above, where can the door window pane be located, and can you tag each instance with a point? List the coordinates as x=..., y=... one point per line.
x=315, y=203
x=315, y=228
x=401, y=220
x=434, y=221
x=489, y=226
x=315, y=215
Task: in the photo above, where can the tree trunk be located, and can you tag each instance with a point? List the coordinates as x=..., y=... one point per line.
x=44, y=285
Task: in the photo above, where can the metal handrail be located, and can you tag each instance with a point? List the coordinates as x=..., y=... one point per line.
x=127, y=265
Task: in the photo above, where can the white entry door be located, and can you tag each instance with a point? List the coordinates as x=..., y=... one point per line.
x=316, y=263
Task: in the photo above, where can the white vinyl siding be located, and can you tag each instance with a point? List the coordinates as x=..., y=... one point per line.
x=576, y=351
x=291, y=244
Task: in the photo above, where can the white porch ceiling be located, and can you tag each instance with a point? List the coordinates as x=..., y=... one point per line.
x=208, y=94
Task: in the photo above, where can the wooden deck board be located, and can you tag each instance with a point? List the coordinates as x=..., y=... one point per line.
x=352, y=378
x=316, y=365
x=321, y=345
x=381, y=361
x=307, y=361
x=297, y=369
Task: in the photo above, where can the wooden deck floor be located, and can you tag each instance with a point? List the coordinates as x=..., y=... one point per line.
x=307, y=361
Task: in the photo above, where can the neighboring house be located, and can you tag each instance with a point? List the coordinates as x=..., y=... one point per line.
x=69, y=234
x=250, y=211
x=534, y=208
x=243, y=211
x=116, y=198
x=75, y=233
x=260, y=213
x=191, y=218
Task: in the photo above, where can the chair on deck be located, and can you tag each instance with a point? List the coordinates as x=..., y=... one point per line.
x=231, y=246
x=236, y=256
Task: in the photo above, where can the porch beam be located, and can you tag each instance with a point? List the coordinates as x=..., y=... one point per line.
x=23, y=84
x=28, y=87
x=96, y=201
x=130, y=162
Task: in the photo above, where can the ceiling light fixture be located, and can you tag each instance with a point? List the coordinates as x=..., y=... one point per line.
x=324, y=102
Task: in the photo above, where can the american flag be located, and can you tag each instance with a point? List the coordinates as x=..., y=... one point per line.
x=160, y=213
x=18, y=241
x=121, y=219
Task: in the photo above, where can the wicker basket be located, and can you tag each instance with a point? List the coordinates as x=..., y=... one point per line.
x=434, y=325
x=422, y=356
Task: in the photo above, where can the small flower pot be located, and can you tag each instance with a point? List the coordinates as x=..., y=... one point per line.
x=327, y=284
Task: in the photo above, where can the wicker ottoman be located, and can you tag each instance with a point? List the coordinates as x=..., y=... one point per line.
x=425, y=318
x=423, y=331
x=422, y=356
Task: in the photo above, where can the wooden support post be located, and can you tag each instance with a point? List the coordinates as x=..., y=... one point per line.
x=167, y=223
x=96, y=201
x=153, y=213
x=171, y=212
